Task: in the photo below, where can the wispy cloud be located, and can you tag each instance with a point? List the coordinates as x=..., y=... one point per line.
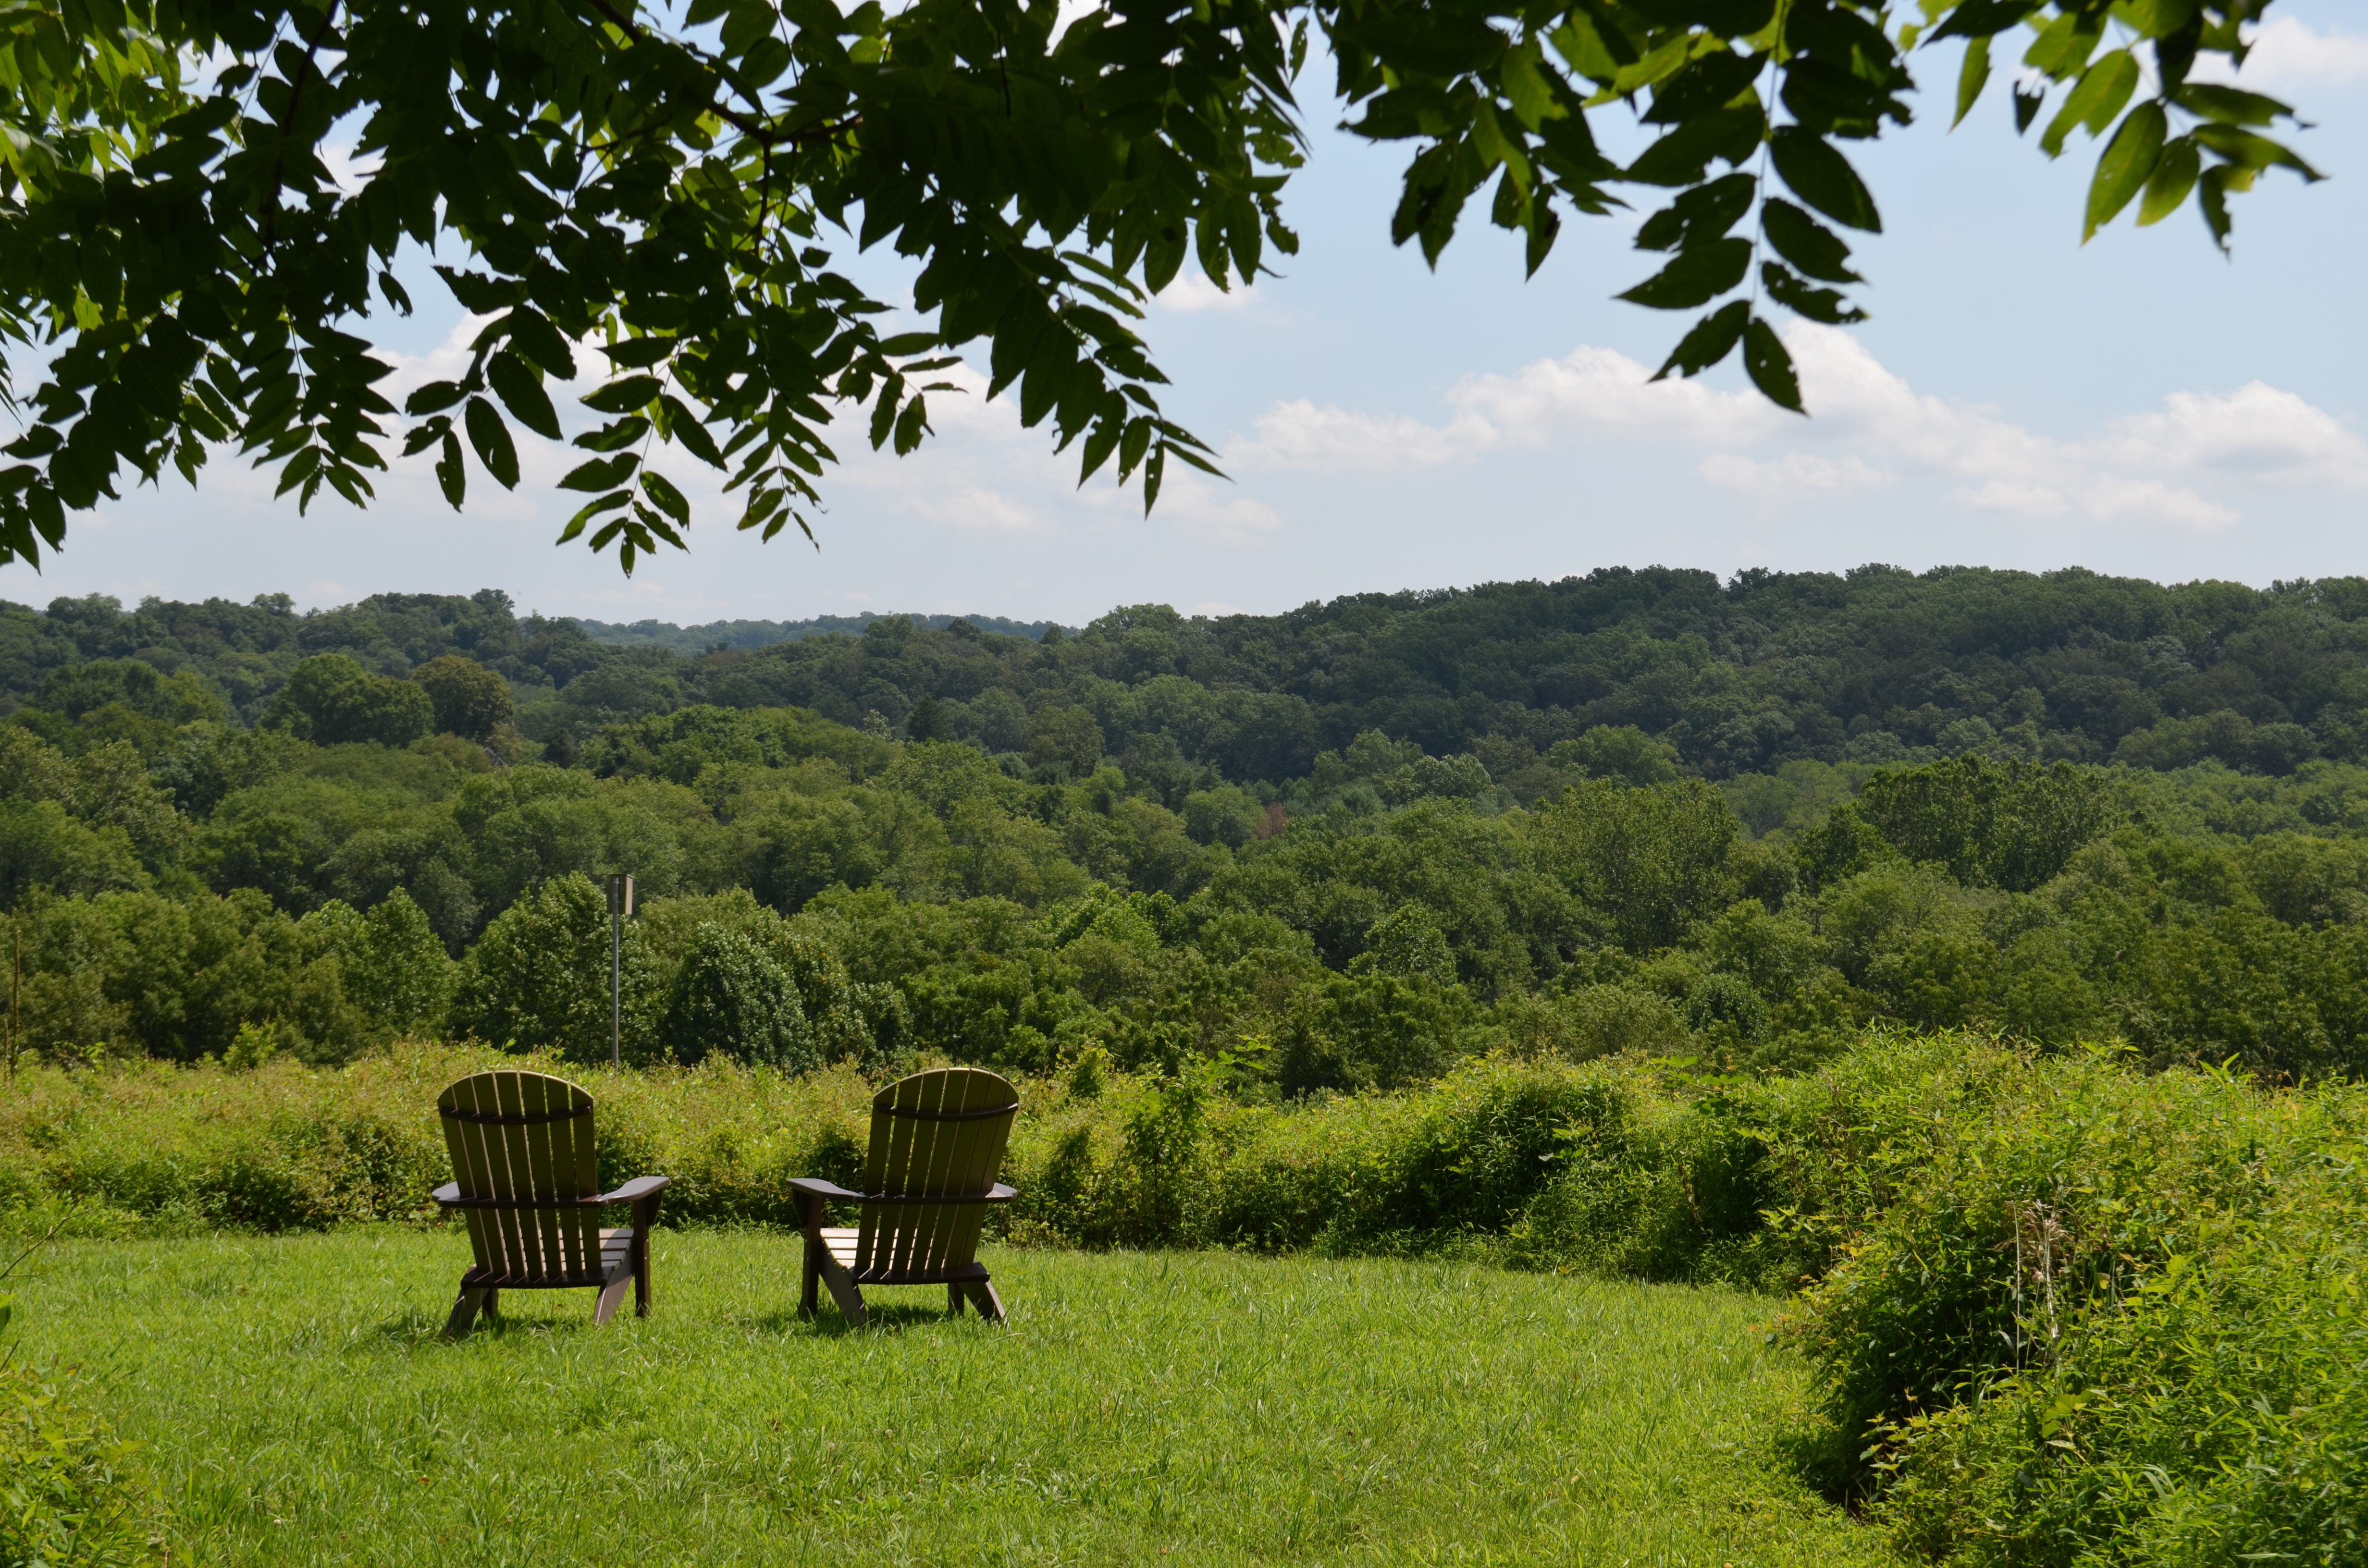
x=2289, y=53
x=1873, y=429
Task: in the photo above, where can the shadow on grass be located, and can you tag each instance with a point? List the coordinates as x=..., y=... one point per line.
x=886, y=1318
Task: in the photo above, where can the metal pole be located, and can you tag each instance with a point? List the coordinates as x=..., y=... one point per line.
x=620, y=904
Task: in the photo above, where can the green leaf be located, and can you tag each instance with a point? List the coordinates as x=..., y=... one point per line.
x=665, y=496
x=609, y=503
x=1816, y=305
x=492, y=439
x=2027, y=106
x=450, y=473
x=1821, y=176
x=1713, y=339
x=2103, y=90
x=685, y=427
x=1981, y=18
x=1769, y=367
x=1805, y=243
x=2063, y=46
x=636, y=353
x=601, y=473
x=615, y=436
x=1695, y=278
x=1972, y=77
x=2127, y=163
x=532, y=333
x=432, y=397
x=1702, y=214
x=521, y=393
x=2174, y=177
x=2211, y=200
x=2251, y=152
x=2231, y=106
x=626, y=396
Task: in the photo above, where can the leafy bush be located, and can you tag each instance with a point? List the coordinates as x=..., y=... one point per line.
x=730, y=997
x=2104, y=1318
x=68, y=1498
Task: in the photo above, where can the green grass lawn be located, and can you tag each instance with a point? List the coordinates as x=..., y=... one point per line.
x=295, y=1403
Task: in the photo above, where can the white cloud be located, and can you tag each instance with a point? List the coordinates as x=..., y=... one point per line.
x=1192, y=292
x=1876, y=428
x=1298, y=435
x=2257, y=432
x=1796, y=476
x=1589, y=392
x=1598, y=391
x=2289, y=52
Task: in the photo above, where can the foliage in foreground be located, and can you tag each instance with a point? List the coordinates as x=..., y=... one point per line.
x=2061, y=1312
x=674, y=187
x=69, y=1497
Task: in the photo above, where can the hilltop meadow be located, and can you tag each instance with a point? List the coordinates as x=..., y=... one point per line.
x=1953, y=978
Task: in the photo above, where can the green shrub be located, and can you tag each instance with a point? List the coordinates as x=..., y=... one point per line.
x=2107, y=1318
x=729, y=998
x=68, y=1498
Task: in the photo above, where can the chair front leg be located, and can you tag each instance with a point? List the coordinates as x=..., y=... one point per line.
x=464, y=1312
x=809, y=1287
x=645, y=1220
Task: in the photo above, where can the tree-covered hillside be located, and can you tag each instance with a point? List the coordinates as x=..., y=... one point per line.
x=1876, y=665
x=1339, y=848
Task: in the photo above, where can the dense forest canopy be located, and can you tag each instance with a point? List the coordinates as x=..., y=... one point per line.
x=1876, y=665
x=1339, y=848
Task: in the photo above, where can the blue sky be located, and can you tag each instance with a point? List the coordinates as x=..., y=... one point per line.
x=2138, y=406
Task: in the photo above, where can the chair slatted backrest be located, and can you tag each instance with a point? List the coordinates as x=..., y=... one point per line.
x=934, y=1133
x=524, y=1135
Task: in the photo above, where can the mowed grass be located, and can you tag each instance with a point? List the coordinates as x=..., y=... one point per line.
x=294, y=1402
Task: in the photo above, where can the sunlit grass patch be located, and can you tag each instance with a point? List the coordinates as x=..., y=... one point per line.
x=296, y=1404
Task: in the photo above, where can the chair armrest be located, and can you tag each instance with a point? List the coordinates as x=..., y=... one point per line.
x=636, y=1189
x=814, y=1187
x=448, y=1195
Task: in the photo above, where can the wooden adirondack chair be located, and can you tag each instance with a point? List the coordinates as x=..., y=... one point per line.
x=521, y=1147
x=937, y=1144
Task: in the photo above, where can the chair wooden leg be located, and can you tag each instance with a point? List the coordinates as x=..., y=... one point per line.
x=491, y=1306
x=645, y=1220
x=843, y=1290
x=809, y=1286
x=464, y=1312
x=990, y=1306
x=612, y=1295
x=953, y=1300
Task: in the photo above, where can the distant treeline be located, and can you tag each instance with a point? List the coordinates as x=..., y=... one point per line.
x=714, y=635
x=1878, y=665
